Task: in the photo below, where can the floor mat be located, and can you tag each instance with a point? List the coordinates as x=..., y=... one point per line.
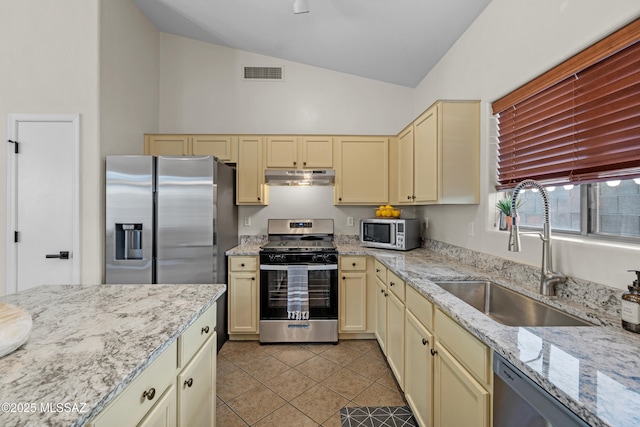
x=377, y=416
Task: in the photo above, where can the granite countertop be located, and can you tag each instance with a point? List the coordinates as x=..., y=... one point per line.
x=88, y=343
x=592, y=370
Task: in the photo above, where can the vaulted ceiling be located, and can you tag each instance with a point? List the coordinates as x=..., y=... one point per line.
x=394, y=41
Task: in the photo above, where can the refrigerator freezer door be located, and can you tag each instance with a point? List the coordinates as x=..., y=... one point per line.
x=185, y=215
x=129, y=219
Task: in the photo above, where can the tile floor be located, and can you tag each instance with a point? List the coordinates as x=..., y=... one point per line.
x=300, y=384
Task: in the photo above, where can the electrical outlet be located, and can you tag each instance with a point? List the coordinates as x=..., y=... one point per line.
x=247, y=221
x=471, y=227
x=426, y=222
x=349, y=221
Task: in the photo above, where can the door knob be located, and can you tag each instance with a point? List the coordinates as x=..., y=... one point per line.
x=61, y=255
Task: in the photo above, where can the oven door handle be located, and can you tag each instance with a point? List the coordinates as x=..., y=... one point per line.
x=310, y=267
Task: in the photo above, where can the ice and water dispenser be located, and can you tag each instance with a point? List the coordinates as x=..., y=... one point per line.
x=128, y=241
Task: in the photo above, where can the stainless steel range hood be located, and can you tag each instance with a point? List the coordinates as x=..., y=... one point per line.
x=299, y=177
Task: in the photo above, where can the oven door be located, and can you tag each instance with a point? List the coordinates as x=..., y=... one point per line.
x=322, y=285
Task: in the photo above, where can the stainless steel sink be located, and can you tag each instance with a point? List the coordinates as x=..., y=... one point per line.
x=508, y=307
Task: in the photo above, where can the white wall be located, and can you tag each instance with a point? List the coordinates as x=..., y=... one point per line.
x=98, y=58
x=201, y=90
x=306, y=202
x=49, y=63
x=129, y=93
x=510, y=43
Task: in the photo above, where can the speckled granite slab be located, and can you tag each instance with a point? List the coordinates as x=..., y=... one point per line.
x=594, y=371
x=87, y=344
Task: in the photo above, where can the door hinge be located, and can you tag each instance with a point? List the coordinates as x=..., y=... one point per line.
x=16, y=236
x=17, y=145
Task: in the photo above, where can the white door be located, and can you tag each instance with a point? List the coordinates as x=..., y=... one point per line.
x=42, y=200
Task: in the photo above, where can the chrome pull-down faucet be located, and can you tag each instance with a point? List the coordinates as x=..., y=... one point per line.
x=548, y=277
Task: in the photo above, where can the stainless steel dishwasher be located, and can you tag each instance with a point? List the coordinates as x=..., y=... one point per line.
x=520, y=402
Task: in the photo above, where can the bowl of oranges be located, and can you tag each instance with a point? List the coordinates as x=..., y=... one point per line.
x=388, y=211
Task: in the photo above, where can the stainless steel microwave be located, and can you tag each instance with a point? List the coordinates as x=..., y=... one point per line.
x=390, y=233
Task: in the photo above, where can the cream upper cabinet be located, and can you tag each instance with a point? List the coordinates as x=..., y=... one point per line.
x=282, y=152
x=436, y=159
x=224, y=147
x=304, y=152
x=458, y=139
x=167, y=145
x=250, y=186
x=362, y=170
x=317, y=152
x=425, y=157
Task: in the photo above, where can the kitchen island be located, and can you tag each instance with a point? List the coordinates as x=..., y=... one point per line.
x=88, y=343
x=592, y=370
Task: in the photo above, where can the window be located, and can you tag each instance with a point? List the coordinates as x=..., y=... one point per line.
x=609, y=209
x=576, y=130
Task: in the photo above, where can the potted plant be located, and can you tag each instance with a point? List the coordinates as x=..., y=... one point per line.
x=504, y=206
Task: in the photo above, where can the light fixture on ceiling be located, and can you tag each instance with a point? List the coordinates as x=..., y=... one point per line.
x=300, y=6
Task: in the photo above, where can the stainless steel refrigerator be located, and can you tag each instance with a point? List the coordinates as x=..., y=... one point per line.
x=170, y=220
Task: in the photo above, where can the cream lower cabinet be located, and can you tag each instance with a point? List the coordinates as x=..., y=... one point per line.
x=419, y=341
x=381, y=305
x=156, y=397
x=352, y=294
x=395, y=326
x=196, y=387
x=462, y=376
x=243, y=297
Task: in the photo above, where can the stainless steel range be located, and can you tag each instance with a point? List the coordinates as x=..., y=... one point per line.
x=299, y=282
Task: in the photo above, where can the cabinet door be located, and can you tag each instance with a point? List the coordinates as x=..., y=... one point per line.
x=455, y=388
x=395, y=337
x=317, y=152
x=250, y=183
x=405, y=166
x=282, y=152
x=353, y=302
x=418, y=385
x=163, y=413
x=363, y=171
x=167, y=145
x=243, y=303
x=212, y=145
x=196, y=388
x=381, y=314
x=425, y=156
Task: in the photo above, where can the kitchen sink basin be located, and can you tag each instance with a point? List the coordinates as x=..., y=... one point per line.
x=508, y=307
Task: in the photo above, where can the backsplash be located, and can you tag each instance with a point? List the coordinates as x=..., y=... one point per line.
x=589, y=294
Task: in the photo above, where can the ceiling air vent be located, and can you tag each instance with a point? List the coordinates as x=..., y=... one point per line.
x=263, y=73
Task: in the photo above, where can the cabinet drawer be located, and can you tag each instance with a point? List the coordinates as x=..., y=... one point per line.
x=196, y=334
x=133, y=403
x=396, y=285
x=467, y=349
x=353, y=263
x=381, y=271
x=420, y=307
x=243, y=263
